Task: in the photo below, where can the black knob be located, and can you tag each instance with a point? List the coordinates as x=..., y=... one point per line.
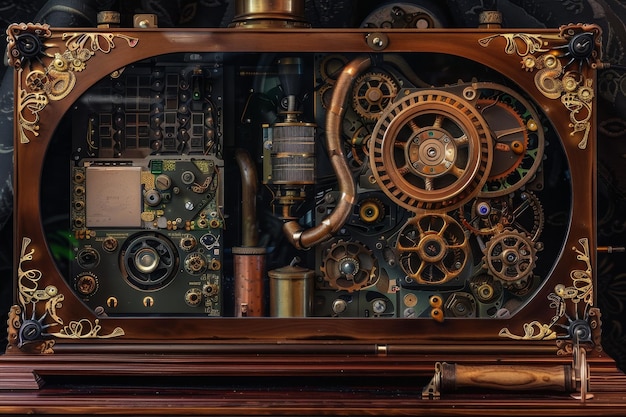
x=581, y=45
x=29, y=45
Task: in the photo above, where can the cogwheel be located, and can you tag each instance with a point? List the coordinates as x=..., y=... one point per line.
x=518, y=138
x=372, y=93
x=488, y=216
x=485, y=288
x=325, y=93
x=433, y=248
x=331, y=66
x=485, y=216
x=359, y=145
x=349, y=266
x=510, y=134
x=527, y=216
x=431, y=150
x=510, y=257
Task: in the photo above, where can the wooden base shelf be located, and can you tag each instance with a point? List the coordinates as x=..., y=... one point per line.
x=218, y=385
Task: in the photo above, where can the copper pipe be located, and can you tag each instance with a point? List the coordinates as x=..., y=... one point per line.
x=303, y=239
x=248, y=260
x=249, y=270
x=249, y=190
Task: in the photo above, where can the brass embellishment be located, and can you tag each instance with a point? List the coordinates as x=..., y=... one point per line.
x=50, y=76
x=543, y=332
x=521, y=44
x=26, y=328
x=84, y=328
x=556, y=74
x=586, y=328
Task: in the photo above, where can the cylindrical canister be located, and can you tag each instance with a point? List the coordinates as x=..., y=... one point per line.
x=291, y=289
x=249, y=269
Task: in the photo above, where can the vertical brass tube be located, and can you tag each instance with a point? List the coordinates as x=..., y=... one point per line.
x=249, y=259
x=303, y=239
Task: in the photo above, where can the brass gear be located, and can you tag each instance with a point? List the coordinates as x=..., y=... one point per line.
x=359, y=145
x=372, y=93
x=349, y=266
x=485, y=288
x=488, y=216
x=431, y=150
x=433, y=248
x=510, y=257
x=510, y=137
x=518, y=138
x=331, y=66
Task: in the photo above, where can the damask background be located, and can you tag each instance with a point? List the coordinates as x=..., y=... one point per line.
x=610, y=15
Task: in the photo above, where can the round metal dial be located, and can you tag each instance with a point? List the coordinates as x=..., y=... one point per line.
x=431, y=150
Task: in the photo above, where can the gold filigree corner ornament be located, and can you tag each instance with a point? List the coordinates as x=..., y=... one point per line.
x=558, y=68
x=28, y=325
x=46, y=71
x=580, y=295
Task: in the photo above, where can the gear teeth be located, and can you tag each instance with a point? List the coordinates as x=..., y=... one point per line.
x=372, y=93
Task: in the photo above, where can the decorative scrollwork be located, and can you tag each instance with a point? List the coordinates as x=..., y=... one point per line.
x=24, y=330
x=84, y=328
x=551, y=77
x=521, y=44
x=532, y=331
x=580, y=290
x=49, y=76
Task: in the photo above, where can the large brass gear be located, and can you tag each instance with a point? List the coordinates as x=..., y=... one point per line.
x=433, y=248
x=372, y=93
x=431, y=150
x=510, y=257
x=349, y=266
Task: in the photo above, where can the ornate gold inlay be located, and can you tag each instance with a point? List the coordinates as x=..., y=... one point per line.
x=581, y=289
x=50, y=76
x=554, y=64
x=26, y=315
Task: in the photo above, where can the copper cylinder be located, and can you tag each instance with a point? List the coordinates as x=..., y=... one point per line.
x=249, y=270
x=291, y=290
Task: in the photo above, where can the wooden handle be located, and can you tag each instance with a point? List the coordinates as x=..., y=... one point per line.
x=506, y=377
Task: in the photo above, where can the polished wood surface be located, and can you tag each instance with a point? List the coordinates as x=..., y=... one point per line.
x=276, y=385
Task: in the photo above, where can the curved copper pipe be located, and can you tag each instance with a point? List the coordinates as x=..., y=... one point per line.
x=304, y=239
x=249, y=191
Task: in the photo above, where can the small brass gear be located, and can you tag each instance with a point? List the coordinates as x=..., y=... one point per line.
x=485, y=288
x=359, y=145
x=371, y=210
x=510, y=257
x=489, y=216
x=372, y=93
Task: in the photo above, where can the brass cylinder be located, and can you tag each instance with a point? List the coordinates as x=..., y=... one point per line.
x=269, y=13
x=291, y=289
x=249, y=270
